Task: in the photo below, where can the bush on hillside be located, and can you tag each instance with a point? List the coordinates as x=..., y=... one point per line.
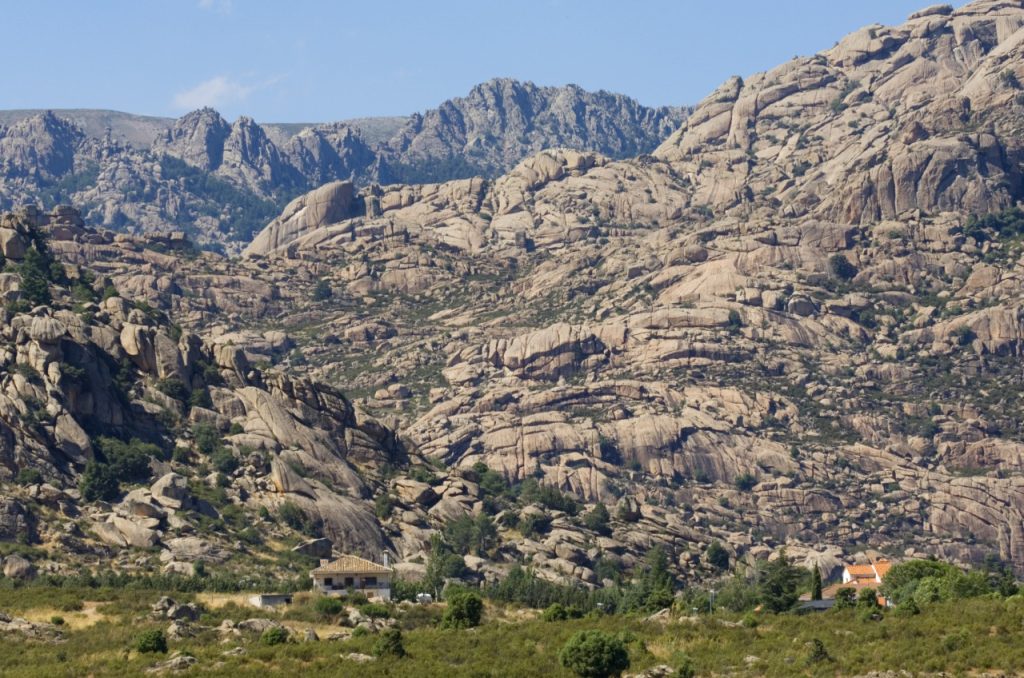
x=464, y=611
x=151, y=641
x=594, y=654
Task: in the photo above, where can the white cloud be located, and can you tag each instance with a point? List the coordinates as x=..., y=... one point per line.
x=216, y=92
x=222, y=6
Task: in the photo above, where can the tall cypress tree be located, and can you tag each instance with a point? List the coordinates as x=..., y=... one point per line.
x=815, y=583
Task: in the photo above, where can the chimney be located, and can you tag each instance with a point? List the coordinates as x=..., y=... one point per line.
x=324, y=561
x=386, y=559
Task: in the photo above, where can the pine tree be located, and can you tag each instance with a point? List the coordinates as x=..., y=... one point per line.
x=35, y=282
x=778, y=585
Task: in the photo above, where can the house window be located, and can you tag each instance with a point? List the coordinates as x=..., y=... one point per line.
x=350, y=581
x=370, y=581
x=329, y=581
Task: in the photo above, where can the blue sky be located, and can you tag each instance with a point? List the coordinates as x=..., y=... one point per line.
x=303, y=61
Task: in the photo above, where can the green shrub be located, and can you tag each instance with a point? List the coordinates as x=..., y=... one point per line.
x=594, y=654
x=463, y=611
x=716, y=556
x=816, y=652
x=389, y=644
x=907, y=608
x=275, y=635
x=224, y=460
x=383, y=505
x=555, y=612
x=846, y=598
x=375, y=610
x=841, y=267
x=322, y=291
x=151, y=641
x=533, y=524
x=173, y=388
x=735, y=321
x=57, y=620
x=328, y=606
x=597, y=519
x=684, y=668
x=868, y=598
x=359, y=632
x=201, y=398
x=29, y=476
x=739, y=594
x=129, y=461
x=98, y=483
x=467, y=534
x=532, y=492
x=745, y=482
x=207, y=438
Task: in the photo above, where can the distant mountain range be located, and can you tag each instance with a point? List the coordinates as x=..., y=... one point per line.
x=223, y=181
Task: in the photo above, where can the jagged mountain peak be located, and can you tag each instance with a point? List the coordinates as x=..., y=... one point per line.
x=197, y=138
x=41, y=146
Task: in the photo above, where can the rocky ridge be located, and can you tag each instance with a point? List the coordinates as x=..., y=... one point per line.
x=218, y=179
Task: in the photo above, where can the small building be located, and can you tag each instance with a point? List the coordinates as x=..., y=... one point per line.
x=860, y=577
x=270, y=599
x=353, y=574
x=866, y=575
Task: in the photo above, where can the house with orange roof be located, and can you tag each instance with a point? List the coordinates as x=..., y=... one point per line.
x=860, y=577
x=353, y=574
x=870, y=574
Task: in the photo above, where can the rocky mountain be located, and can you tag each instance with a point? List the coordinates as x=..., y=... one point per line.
x=797, y=322
x=236, y=176
x=502, y=121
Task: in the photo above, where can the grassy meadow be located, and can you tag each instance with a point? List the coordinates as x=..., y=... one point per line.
x=101, y=628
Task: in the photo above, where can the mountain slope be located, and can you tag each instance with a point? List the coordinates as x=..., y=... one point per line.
x=797, y=323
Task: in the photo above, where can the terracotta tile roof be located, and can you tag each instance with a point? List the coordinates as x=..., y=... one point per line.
x=878, y=568
x=351, y=565
x=860, y=571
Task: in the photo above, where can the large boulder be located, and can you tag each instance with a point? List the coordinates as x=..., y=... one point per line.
x=17, y=523
x=172, y=491
x=326, y=205
x=18, y=567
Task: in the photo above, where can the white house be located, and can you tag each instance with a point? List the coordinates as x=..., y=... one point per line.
x=355, y=574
